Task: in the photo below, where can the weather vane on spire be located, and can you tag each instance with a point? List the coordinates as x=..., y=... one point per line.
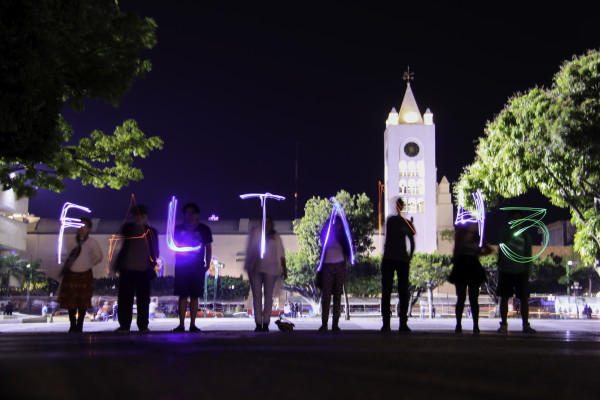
x=408, y=76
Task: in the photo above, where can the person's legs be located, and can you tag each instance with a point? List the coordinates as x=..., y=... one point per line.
x=80, y=317
x=125, y=299
x=505, y=292
x=73, y=320
x=193, y=313
x=461, y=296
x=143, y=300
x=503, y=315
x=256, y=286
x=326, y=292
x=387, y=281
x=182, y=304
x=403, y=296
x=339, y=278
x=269, y=287
x=474, y=303
x=522, y=290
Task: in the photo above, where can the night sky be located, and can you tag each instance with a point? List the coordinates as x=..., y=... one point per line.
x=234, y=90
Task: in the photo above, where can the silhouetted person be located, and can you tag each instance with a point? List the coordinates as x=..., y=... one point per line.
x=190, y=267
x=8, y=309
x=513, y=276
x=396, y=259
x=333, y=272
x=77, y=286
x=467, y=272
x=135, y=265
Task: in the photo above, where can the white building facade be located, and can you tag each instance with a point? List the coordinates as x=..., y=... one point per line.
x=410, y=170
x=13, y=222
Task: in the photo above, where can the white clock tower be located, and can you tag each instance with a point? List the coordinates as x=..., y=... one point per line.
x=410, y=170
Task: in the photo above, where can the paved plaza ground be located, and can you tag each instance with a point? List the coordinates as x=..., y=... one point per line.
x=229, y=361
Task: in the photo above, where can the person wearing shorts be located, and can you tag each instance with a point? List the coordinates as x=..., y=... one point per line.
x=190, y=267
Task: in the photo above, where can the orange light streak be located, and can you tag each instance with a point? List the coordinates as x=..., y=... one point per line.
x=148, y=234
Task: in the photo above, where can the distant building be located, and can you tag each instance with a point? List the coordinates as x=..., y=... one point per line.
x=410, y=172
x=561, y=233
x=14, y=218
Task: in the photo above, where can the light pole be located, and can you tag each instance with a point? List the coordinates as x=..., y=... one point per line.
x=575, y=288
x=569, y=264
x=29, y=285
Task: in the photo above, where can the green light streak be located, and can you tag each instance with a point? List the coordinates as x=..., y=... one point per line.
x=531, y=221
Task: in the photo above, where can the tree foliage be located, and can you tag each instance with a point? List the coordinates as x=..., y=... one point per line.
x=13, y=266
x=301, y=276
x=427, y=272
x=57, y=53
x=364, y=278
x=547, y=139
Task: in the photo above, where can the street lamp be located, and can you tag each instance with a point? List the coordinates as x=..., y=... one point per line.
x=570, y=263
x=575, y=288
x=29, y=285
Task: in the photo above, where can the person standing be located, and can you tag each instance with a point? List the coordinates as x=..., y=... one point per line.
x=396, y=259
x=190, y=267
x=333, y=271
x=153, y=306
x=135, y=265
x=467, y=272
x=77, y=285
x=115, y=313
x=513, y=276
x=264, y=272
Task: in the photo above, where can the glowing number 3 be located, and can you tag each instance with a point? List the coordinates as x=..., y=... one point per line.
x=533, y=220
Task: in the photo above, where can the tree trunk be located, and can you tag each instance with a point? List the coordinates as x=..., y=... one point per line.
x=412, y=300
x=430, y=301
x=347, y=304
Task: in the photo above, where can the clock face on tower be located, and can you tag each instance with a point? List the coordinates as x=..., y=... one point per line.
x=411, y=149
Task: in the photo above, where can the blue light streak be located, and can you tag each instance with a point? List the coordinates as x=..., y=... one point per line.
x=465, y=217
x=335, y=211
x=171, y=230
x=263, y=202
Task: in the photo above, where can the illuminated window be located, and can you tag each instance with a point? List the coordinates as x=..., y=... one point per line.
x=412, y=206
x=421, y=186
x=412, y=186
x=412, y=168
x=421, y=169
x=403, y=169
x=402, y=186
x=420, y=205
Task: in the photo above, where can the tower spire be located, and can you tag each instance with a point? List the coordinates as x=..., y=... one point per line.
x=409, y=111
x=408, y=76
